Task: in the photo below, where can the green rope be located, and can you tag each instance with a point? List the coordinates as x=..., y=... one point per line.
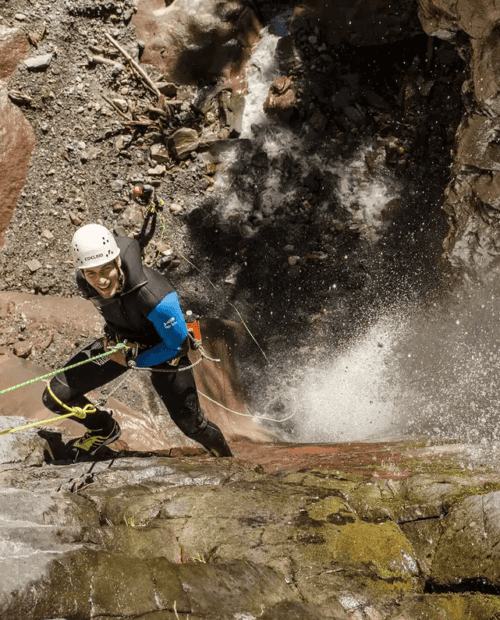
x=251, y=335
x=115, y=349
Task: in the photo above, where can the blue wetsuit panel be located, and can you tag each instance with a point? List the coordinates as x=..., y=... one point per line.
x=169, y=323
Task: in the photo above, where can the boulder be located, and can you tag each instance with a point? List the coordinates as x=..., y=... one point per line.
x=469, y=548
x=190, y=40
x=24, y=446
x=444, y=18
x=183, y=141
x=13, y=48
x=17, y=141
x=282, y=98
x=473, y=242
x=39, y=63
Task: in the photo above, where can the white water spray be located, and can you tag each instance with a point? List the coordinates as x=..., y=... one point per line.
x=261, y=71
x=367, y=191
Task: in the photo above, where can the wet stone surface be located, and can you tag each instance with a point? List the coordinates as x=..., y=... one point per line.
x=155, y=536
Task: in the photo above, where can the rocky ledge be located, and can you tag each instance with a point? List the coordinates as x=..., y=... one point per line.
x=393, y=530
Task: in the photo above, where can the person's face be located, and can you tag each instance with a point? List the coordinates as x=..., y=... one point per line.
x=105, y=278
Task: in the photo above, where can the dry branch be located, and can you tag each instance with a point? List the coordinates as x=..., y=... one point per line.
x=139, y=70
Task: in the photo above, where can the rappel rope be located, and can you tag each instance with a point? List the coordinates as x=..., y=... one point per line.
x=78, y=412
x=155, y=206
x=82, y=412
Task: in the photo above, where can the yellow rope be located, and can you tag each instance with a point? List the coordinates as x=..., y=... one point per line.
x=78, y=412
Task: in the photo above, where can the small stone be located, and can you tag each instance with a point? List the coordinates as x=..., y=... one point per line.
x=22, y=349
x=293, y=260
x=289, y=248
x=174, y=208
x=184, y=141
x=118, y=208
x=164, y=249
x=117, y=69
x=76, y=219
x=159, y=153
x=117, y=186
x=20, y=17
x=33, y=265
x=39, y=63
x=46, y=342
x=166, y=88
x=121, y=103
x=157, y=171
x=46, y=234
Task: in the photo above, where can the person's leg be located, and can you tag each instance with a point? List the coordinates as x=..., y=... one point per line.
x=71, y=386
x=180, y=397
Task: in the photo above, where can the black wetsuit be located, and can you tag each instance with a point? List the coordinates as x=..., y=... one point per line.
x=146, y=311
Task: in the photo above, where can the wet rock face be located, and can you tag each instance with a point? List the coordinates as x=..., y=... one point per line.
x=192, y=40
x=472, y=242
x=158, y=537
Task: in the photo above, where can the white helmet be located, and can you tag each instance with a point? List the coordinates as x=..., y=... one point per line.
x=93, y=245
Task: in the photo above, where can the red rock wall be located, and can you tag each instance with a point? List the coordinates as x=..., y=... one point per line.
x=17, y=139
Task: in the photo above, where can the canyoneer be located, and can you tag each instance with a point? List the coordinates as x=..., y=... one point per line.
x=140, y=308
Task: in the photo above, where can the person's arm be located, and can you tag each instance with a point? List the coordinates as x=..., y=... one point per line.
x=169, y=322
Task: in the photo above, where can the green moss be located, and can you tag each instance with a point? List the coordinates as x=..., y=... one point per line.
x=489, y=487
x=320, y=511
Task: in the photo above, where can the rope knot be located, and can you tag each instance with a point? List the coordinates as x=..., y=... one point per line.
x=81, y=413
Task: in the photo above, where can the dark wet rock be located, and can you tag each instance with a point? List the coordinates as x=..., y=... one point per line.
x=357, y=23
x=282, y=98
x=448, y=607
x=143, y=536
x=468, y=547
x=472, y=242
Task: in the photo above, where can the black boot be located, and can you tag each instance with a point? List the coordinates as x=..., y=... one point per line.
x=212, y=439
